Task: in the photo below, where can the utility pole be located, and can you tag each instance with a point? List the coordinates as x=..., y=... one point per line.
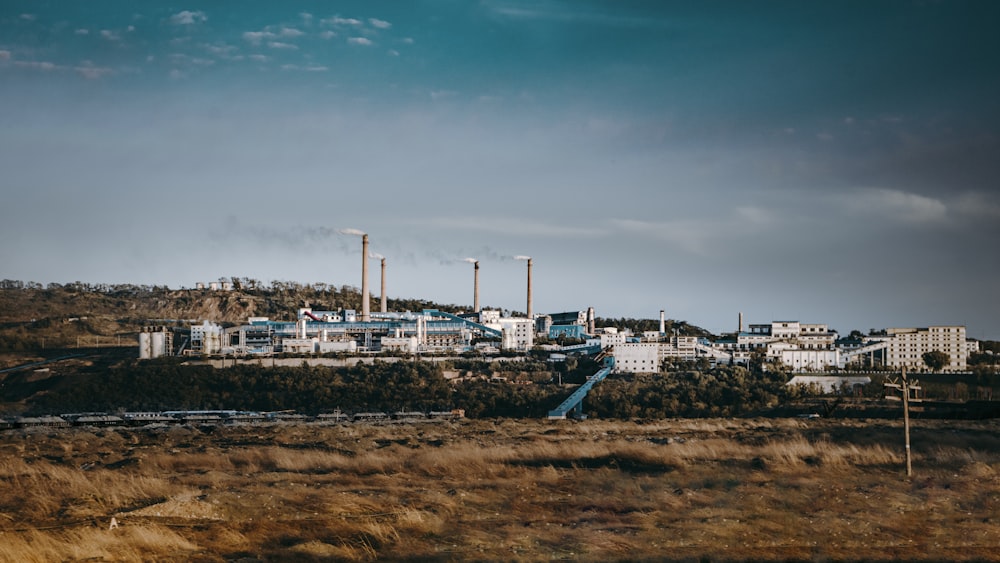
x=904, y=388
x=906, y=422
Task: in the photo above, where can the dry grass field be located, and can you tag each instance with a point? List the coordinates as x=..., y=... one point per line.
x=698, y=490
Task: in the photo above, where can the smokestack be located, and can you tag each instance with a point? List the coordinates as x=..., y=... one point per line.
x=590, y=321
x=529, y=289
x=366, y=314
x=475, y=297
x=384, y=305
x=741, y=322
x=663, y=322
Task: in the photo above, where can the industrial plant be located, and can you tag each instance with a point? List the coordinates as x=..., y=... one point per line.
x=796, y=345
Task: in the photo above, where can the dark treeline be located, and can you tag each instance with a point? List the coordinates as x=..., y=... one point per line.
x=388, y=387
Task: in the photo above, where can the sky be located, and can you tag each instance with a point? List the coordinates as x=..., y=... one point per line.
x=827, y=162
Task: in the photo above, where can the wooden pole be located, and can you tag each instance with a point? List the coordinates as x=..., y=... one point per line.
x=906, y=422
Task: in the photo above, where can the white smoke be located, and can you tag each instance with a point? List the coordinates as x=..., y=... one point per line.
x=352, y=232
x=376, y=256
x=522, y=258
x=470, y=260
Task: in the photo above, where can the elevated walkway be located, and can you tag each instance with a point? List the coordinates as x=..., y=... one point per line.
x=573, y=405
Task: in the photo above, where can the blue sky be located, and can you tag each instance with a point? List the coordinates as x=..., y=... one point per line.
x=829, y=162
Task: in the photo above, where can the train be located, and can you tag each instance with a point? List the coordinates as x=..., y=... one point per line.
x=217, y=417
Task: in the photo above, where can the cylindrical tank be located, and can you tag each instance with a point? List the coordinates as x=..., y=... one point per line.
x=145, y=346
x=159, y=344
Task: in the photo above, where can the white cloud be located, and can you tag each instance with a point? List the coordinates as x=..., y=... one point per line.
x=524, y=227
x=29, y=17
x=381, y=24
x=82, y=31
x=328, y=34
x=393, y=53
x=898, y=205
x=290, y=32
x=260, y=58
x=306, y=17
x=221, y=50
x=110, y=35
x=977, y=204
x=309, y=68
x=92, y=72
x=187, y=17
x=256, y=37
x=337, y=20
x=408, y=40
x=754, y=215
x=688, y=235
x=281, y=45
x=360, y=41
x=38, y=65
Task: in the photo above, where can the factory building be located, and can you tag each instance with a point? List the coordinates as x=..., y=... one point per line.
x=906, y=346
x=342, y=331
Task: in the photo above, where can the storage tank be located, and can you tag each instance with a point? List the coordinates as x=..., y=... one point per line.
x=145, y=346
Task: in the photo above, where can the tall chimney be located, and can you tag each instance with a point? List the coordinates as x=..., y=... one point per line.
x=366, y=314
x=475, y=298
x=384, y=306
x=529, y=288
x=590, y=321
x=741, y=322
x=663, y=322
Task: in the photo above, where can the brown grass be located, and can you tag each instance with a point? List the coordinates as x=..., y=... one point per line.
x=474, y=490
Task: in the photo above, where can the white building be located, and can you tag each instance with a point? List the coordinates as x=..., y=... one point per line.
x=206, y=338
x=908, y=345
x=637, y=357
x=518, y=332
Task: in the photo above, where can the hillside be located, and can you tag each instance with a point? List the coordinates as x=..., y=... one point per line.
x=33, y=317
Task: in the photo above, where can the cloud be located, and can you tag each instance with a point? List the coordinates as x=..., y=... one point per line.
x=977, y=204
x=256, y=37
x=308, y=68
x=691, y=236
x=522, y=227
x=755, y=215
x=110, y=35
x=82, y=31
x=290, y=32
x=92, y=72
x=282, y=45
x=29, y=17
x=328, y=34
x=260, y=58
x=380, y=24
x=38, y=65
x=187, y=17
x=898, y=205
x=221, y=50
x=360, y=41
x=337, y=20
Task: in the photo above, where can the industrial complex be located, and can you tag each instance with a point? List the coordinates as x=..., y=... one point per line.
x=799, y=346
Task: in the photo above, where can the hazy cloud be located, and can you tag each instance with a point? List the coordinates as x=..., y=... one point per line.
x=360, y=41
x=4, y=55
x=256, y=37
x=380, y=24
x=187, y=17
x=282, y=45
x=82, y=31
x=290, y=32
x=898, y=205
x=337, y=20
x=110, y=35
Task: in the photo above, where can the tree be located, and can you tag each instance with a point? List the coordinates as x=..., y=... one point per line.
x=936, y=359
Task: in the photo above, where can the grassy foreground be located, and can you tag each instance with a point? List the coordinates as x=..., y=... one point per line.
x=716, y=489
